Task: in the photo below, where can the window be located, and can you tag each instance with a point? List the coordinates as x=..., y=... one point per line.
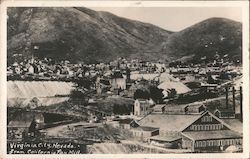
x=204, y=143
x=206, y=119
x=213, y=127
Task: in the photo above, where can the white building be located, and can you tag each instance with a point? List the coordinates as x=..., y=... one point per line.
x=141, y=107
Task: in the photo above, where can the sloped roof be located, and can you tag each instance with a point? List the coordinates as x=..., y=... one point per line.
x=204, y=135
x=196, y=105
x=22, y=120
x=125, y=121
x=20, y=124
x=166, y=77
x=169, y=122
x=146, y=128
x=178, y=86
x=165, y=138
x=234, y=124
x=159, y=106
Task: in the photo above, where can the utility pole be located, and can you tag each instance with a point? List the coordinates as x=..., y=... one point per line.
x=226, y=97
x=241, y=115
x=234, y=100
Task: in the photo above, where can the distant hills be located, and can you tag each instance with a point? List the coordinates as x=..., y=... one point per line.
x=81, y=34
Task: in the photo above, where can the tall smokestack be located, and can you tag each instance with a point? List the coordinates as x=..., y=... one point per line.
x=227, y=97
x=234, y=99
x=241, y=114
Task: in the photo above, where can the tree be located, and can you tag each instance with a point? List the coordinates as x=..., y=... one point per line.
x=172, y=93
x=156, y=94
x=141, y=94
x=83, y=83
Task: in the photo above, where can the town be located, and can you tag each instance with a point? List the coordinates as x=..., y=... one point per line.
x=128, y=106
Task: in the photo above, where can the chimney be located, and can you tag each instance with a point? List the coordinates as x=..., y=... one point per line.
x=241, y=114
x=234, y=99
x=226, y=97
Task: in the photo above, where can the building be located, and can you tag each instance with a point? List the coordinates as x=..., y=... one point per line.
x=141, y=107
x=224, y=113
x=166, y=142
x=178, y=86
x=198, y=132
x=176, y=109
x=144, y=133
x=196, y=108
x=159, y=108
x=117, y=81
x=181, y=109
x=127, y=123
x=24, y=124
x=210, y=141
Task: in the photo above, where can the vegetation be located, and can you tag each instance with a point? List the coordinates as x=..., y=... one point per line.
x=148, y=92
x=92, y=44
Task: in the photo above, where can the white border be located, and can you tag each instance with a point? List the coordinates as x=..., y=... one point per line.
x=3, y=47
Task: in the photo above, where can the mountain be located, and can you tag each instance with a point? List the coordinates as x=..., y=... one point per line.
x=81, y=34
x=213, y=36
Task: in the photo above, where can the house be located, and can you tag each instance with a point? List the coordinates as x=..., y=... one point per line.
x=31, y=69
x=143, y=133
x=126, y=123
x=209, y=87
x=176, y=109
x=141, y=107
x=183, y=109
x=23, y=124
x=196, y=108
x=159, y=108
x=224, y=113
x=198, y=132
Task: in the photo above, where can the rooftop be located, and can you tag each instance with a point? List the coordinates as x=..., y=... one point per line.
x=195, y=105
x=159, y=106
x=169, y=122
x=205, y=135
x=146, y=128
x=235, y=124
x=177, y=85
x=124, y=121
x=165, y=138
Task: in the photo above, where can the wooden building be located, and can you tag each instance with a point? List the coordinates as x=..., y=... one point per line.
x=143, y=133
x=224, y=113
x=127, y=123
x=194, y=129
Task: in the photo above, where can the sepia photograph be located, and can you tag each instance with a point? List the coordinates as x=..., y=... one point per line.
x=93, y=79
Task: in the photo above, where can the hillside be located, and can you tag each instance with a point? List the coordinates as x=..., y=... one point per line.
x=81, y=34
x=215, y=35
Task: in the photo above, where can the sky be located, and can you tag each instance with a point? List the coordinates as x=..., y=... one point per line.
x=173, y=18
